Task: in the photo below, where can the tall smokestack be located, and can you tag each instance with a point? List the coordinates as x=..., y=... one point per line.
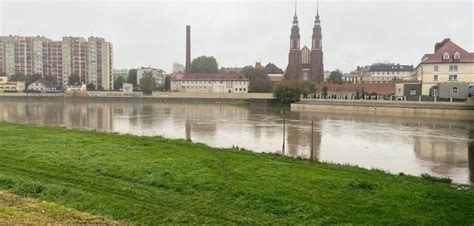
x=188, y=49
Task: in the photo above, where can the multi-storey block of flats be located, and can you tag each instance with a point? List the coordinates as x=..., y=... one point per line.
x=90, y=59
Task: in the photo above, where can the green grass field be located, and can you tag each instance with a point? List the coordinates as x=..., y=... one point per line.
x=16, y=210
x=155, y=180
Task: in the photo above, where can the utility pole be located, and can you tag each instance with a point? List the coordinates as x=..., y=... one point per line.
x=312, y=139
x=283, y=148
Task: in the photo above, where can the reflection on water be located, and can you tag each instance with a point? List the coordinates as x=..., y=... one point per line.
x=413, y=146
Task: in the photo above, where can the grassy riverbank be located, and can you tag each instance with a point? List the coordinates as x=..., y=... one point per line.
x=151, y=179
x=15, y=209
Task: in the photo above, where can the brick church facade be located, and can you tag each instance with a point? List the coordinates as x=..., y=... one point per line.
x=303, y=63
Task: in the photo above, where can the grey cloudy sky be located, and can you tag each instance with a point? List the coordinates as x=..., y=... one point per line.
x=238, y=33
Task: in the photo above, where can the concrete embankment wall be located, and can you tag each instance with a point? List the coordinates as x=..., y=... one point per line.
x=236, y=96
x=404, y=109
x=218, y=98
x=215, y=95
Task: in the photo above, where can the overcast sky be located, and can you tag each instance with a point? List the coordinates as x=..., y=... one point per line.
x=238, y=33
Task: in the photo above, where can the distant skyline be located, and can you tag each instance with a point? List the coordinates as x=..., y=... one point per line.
x=152, y=33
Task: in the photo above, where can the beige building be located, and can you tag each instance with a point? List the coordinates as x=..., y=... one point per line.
x=210, y=83
x=6, y=86
x=449, y=64
x=91, y=59
x=158, y=75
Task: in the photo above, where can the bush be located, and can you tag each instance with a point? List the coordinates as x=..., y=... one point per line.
x=290, y=91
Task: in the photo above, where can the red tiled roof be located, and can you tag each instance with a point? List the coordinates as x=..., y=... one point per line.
x=210, y=77
x=447, y=46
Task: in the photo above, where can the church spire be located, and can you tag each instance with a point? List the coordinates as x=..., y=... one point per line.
x=295, y=29
x=317, y=8
x=317, y=22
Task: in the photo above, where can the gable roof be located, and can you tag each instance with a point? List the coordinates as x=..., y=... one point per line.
x=271, y=68
x=448, y=46
x=45, y=82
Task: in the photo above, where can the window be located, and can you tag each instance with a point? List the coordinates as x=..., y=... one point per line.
x=453, y=67
x=412, y=92
x=457, y=56
x=453, y=77
x=435, y=78
x=436, y=68
x=446, y=56
x=455, y=90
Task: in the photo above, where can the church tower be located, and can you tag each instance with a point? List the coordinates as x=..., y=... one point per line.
x=316, y=65
x=293, y=71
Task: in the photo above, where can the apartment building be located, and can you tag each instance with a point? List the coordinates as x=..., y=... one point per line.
x=448, y=72
x=158, y=75
x=90, y=59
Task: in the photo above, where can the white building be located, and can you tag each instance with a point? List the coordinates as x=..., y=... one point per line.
x=210, y=83
x=158, y=75
x=6, y=86
x=387, y=72
x=42, y=85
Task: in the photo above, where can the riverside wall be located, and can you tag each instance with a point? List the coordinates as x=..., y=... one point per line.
x=389, y=108
x=162, y=97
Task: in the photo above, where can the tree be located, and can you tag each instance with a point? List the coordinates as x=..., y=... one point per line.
x=289, y=91
x=18, y=78
x=50, y=78
x=336, y=77
x=132, y=76
x=74, y=79
x=259, y=80
x=204, y=64
x=118, y=82
x=168, y=83
x=91, y=87
x=32, y=78
x=147, y=83
x=325, y=91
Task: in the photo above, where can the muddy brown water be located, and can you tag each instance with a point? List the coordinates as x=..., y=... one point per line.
x=443, y=148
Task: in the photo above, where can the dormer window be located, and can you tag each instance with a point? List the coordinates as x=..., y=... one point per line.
x=457, y=56
x=446, y=56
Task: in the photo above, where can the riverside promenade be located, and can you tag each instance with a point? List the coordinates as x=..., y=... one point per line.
x=452, y=110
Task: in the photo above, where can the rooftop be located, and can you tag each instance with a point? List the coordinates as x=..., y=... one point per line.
x=449, y=48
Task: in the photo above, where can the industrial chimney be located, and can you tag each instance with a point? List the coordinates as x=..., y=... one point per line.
x=188, y=49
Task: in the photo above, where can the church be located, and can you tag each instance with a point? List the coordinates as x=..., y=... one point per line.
x=303, y=63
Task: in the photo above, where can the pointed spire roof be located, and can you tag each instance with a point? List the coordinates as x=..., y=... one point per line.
x=295, y=29
x=317, y=22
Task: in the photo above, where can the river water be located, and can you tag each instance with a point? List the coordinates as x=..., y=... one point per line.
x=443, y=148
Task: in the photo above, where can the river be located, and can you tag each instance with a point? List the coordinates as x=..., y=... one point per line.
x=443, y=148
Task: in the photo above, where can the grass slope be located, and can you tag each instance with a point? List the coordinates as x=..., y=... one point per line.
x=151, y=179
x=16, y=210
